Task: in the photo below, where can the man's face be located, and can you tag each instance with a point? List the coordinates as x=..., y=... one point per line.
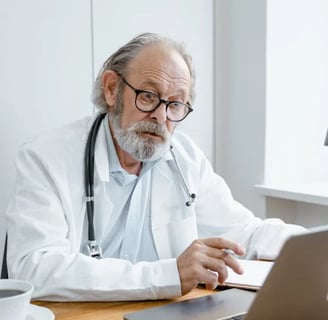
x=146, y=136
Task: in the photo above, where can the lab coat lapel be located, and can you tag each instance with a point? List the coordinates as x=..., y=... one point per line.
x=101, y=154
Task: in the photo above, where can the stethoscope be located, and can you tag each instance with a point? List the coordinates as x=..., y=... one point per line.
x=92, y=249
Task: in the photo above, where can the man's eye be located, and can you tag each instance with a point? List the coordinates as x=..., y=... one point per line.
x=148, y=96
x=176, y=105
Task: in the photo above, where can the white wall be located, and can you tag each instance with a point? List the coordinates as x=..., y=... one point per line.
x=271, y=101
x=297, y=95
x=47, y=70
x=297, y=106
x=45, y=76
x=240, y=97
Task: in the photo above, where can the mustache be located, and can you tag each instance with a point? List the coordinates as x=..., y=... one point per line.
x=151, y=127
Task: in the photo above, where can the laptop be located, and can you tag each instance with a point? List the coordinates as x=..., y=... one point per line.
x=296, y=288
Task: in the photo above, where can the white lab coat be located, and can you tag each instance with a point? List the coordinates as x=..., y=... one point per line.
x=47, y=215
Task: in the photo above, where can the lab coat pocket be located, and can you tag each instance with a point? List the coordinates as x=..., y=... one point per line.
x=173, y=238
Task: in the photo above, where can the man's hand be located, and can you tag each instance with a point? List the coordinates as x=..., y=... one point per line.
x=206, y=261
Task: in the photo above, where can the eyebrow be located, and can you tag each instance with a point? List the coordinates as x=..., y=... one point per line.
x=156, y=84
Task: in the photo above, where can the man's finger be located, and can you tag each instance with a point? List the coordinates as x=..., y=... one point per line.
x=222, y=243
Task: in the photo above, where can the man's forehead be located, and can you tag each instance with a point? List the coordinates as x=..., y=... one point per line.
x=157, y=55
x=158, y=62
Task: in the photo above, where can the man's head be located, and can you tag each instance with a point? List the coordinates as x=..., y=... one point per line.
x=147, y=86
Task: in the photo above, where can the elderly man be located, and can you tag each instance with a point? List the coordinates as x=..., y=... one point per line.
x=158, y=221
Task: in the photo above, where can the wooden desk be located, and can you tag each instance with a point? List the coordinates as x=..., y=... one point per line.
x=107, y=310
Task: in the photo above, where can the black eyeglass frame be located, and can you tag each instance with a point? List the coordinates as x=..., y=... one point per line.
x=160, y=101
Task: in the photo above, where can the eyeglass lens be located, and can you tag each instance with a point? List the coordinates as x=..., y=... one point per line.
x=148, y=101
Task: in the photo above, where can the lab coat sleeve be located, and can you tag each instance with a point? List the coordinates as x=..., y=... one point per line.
x=44, y=250
x=219, y=214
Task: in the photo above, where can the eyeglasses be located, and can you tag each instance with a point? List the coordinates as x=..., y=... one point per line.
x=147, y=101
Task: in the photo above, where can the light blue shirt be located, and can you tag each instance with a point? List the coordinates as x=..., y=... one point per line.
x=131, y=237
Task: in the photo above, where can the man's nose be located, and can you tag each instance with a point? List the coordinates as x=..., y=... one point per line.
x=160, y=113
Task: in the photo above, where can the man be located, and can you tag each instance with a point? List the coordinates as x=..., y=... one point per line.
x=158, y=239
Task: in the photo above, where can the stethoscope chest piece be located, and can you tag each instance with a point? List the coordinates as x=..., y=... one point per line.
x=92, y=249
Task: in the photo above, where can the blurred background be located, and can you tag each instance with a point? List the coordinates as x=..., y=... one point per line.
x=261, y=111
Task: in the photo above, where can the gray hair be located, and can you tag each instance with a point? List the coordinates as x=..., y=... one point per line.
x=119, y=62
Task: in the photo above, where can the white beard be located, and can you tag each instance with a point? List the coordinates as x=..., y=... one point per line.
x=140, y=148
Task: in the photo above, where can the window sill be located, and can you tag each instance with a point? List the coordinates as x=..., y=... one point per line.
x=315, y=193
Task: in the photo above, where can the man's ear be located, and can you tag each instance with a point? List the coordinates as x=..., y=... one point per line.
x=110, y=86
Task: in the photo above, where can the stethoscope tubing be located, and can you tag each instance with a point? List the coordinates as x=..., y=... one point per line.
x=89, y=174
